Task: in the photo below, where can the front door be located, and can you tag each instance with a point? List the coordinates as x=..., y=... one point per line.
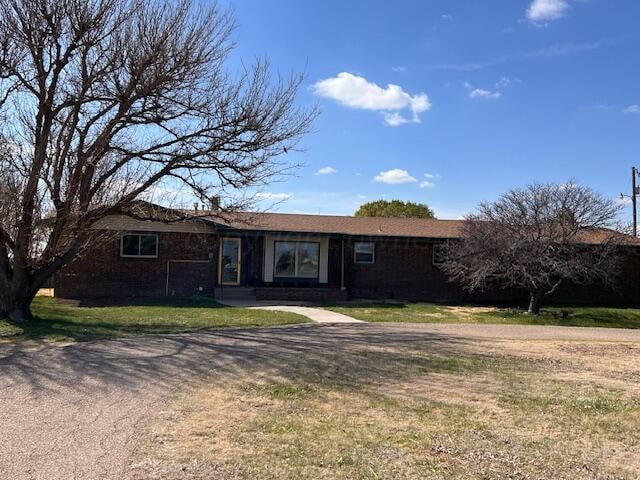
x=229, y=263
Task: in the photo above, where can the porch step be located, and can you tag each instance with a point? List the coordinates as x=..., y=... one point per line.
x=235, y=293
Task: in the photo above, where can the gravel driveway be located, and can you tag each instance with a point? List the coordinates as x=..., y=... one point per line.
x=75, y=412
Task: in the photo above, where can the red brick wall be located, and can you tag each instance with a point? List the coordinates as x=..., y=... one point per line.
x=403, y=269
x=103, y=273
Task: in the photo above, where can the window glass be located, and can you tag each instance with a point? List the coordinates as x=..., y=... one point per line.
x=296, y=259
x=285, y=259
x=230, y=260
x=139, y=245
x=364, y=252
x=130, y=245
x=308, y=255
x=148, y=245
x=439, y=253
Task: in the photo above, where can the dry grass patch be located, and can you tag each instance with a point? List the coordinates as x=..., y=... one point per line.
x=468, y=311
x=407, y=312
x=432, y=410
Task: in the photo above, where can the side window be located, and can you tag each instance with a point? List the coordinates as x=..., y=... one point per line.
x=364, y=252
x=439, y=253
x=139, y=245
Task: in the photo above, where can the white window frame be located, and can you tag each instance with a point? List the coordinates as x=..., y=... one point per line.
x=139, y=234
x=373, y=253
x=433, y=253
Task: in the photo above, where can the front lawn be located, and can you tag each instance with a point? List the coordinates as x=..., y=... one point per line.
x=432, y=409
x=63, y=320
x=436, y=313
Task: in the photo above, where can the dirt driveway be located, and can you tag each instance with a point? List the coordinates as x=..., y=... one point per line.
x=75, y=412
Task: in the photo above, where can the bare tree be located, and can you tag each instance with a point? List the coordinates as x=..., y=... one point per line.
x=105, y=101
x=535, y=239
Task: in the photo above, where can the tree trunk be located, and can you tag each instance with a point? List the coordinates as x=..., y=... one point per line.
x=534, y=303
x=15, y=303
x=20, y=314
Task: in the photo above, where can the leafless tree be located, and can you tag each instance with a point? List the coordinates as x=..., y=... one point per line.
x=103, y=102
x=535, y=239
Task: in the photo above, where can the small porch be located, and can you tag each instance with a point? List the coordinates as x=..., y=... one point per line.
x=282, y=267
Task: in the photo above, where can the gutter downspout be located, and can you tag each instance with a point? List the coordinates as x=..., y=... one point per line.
x=342, y=287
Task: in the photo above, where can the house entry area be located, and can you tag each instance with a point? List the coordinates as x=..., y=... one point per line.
x=230, y=261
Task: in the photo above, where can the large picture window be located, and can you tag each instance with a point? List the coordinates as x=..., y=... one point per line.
x=296, y=259
x=139, y=245
x=364, y=252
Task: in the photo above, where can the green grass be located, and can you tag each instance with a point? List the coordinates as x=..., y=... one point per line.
x=66, y=321
x=435, y=313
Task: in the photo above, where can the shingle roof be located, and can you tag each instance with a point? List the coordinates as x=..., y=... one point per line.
x=330, y=224
x=367, y=226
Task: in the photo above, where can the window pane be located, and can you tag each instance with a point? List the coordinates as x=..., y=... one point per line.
x=148, y=245
x=364, y=252
x=285, y=259
x=364, y=257
x=439, y=253
x=130, y=245
x=308, y=259
x=229, y=260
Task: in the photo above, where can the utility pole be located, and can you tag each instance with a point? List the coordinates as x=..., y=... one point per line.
x=635, y=191
x=634, y=194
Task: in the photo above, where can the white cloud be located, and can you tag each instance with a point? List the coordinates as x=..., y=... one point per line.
x=475, y=92
x=545, y=10
x=395, y=119
x=274, y=196
x=428, y=181
x=632, y=109
x=503, y=83
x=357, y=92
x=326, y=171
x=482, y=93
x=556, y=50
x=394, y=176
x=322, y=202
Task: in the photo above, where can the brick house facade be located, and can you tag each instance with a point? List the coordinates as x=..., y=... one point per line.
x=291, y=257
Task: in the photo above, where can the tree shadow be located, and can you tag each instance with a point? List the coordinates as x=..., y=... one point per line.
x=109, y=318
x=157, y=363
x=192, y=302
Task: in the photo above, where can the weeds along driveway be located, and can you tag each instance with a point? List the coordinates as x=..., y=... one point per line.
x=76, y=411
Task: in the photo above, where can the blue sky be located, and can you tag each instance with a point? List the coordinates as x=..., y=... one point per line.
x=452, y=102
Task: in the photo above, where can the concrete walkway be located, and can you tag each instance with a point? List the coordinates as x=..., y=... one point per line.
x=316, y=315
